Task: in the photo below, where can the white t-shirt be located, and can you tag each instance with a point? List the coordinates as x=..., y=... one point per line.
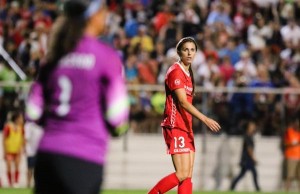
x=33, y=134
x=291, y=34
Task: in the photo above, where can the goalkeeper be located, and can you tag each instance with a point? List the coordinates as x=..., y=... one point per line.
x=78, y=98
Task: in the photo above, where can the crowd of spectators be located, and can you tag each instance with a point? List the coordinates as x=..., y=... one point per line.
x=243, y=43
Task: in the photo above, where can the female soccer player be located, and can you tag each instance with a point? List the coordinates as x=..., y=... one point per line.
x=177, y=122
x=79, y=94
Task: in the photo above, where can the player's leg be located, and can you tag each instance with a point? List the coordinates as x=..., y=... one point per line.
x=174, y=142
x=182, y=166
x=298, y=174
x=291, y=172
x=17, y=167
x=254, y=175
x=8, y=162
x=165, y=184
x=237, y=179
x=30, y=168
x=182, y=163
x=186, y=186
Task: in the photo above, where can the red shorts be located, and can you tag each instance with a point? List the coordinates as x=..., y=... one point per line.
x=178, y=141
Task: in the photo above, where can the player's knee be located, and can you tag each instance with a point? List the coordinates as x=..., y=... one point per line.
x=182, y=175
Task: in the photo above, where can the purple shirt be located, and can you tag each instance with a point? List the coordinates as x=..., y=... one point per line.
x=75, y=125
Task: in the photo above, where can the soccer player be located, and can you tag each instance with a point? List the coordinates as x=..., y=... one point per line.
x=177, y=121
x=79, y=95
x=13, y=144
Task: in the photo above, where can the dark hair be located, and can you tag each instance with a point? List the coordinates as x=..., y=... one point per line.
x=15, y=115
x=184, y=40
x=75, y=8
x=178, y=48
x=65, y=34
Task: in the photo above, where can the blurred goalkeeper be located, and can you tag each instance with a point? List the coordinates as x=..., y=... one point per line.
x=78, y=98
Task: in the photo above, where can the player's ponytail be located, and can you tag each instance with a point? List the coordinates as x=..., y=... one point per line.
x=193, y=80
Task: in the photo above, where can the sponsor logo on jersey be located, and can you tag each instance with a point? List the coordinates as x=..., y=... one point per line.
x=177, y=82
x=179, y=150
x=190, y=89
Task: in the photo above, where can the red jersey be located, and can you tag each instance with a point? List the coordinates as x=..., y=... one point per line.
x=174, y=115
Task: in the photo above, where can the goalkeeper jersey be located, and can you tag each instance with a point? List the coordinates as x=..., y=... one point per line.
x=84, y=93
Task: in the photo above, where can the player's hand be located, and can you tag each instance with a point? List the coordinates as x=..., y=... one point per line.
x=118, y=130
x=212, y=124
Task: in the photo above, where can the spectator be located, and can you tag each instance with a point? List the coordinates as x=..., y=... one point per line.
x=13, y=145
x=263, y=102
x=209, y=72
x=190, y=20
x=246, y=66
x=170, y=56
x=158, y=102
x=240, y=104
x=8, y=93
x=230, y=50
x=33, y=134
x=219, y=13
x=142, y=41
x=291, y=100
x=147, y=69
x=162, y=17
x=131, y=70
x=170, y=34
x=292, y=153
x=291, y=33
x=226, y=69
x=258, y=33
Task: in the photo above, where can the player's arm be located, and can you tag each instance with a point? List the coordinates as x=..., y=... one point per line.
x=184, y=103
x=117, y=108
x=6, y=131
x=35, y=102
x=251, y=153
x=116, y=101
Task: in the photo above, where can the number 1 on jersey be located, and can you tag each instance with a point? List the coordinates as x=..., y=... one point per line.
x=65, y=85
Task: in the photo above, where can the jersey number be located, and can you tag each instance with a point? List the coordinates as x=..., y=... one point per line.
x=180, y=140
x=65, y=86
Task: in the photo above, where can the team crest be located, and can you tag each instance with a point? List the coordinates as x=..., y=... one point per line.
x=177, y=82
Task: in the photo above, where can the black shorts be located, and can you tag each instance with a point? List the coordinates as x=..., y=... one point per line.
x=60, y=174
x=31, y=161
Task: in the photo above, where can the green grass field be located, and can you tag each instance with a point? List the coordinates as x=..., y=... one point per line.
x=29, y=191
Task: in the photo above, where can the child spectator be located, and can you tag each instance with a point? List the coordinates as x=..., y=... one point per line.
x=33, y=133
x=13, y=143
